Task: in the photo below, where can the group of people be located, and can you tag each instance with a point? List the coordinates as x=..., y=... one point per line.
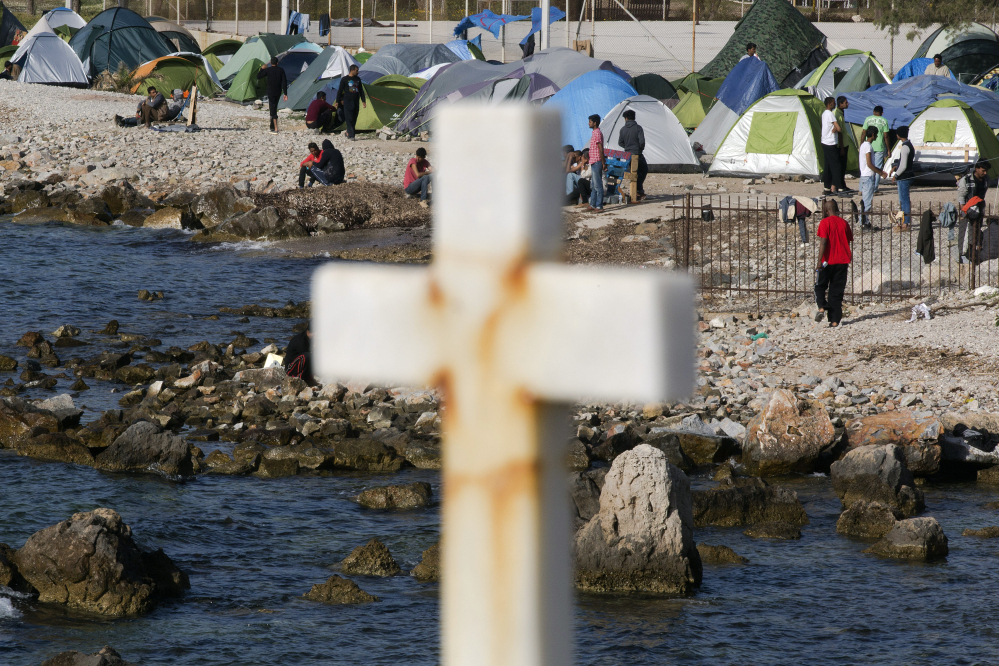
x=320, y=114
x=585, y=169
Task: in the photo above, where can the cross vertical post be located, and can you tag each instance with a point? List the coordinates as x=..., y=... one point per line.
x=511, y=337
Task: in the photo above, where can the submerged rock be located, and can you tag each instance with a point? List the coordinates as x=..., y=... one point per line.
x=641, y=540
x=106, y=656
x=371, y=559
x=990, y=532
x=865, y=519
x=774, y=531
x=90, y=562
x=719, y=555
x=410, y=496
x=877, y=473
x=788, y=436
x=913, y=539
x=429, y=568
x=144, y=447
x=747, y=502
x=338, y=590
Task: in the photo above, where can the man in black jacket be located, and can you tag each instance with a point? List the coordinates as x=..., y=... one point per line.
x=351, y=92
x=632, y=140
x=277, y=85
x=330, y=169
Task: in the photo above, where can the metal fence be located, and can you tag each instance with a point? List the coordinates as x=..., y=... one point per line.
x=740, y=249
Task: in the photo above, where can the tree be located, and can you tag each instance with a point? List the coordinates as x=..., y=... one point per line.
x=892, y=15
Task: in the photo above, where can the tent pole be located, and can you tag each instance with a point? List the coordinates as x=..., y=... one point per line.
x=267, y=15
x=503, y=33
x=693, y=35
x=395, y=20
x=284, y=17
x=593, y=23
x=237, y=14
x=362, y=25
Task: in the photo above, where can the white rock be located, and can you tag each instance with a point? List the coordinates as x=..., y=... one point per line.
x=64, y=401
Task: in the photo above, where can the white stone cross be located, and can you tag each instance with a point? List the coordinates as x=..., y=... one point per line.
x=511, y=337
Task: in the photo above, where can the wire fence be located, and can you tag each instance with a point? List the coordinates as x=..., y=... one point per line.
x=736, y=248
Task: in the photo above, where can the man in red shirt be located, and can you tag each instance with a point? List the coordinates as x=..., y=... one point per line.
x=834, y=263
x=319, y=115
x=417, y=177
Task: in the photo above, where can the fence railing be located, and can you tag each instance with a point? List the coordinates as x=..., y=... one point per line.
x=738, y=248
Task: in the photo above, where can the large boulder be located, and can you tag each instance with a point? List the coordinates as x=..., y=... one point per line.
x=91, y=562
x=338, y=590
x=172, y=218
x=106, y=656
x=869, y=520
x=642, y=539
x=917, y=435
x=787, y=436
x=878, y=474
x=261, y=223
x=366, y=455
x=410, y=496
x=219, y=204
x=371, y=559
x=429, y=568
x=913, y=539
x=747, y=502
x=144, y=447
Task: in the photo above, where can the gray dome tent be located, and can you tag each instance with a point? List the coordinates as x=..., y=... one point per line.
x=117, y=36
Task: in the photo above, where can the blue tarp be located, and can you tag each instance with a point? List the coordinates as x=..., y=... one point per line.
x=597, y=92
x=554, y=14
x=487, y=21
x=748, y=81
x=904, y=100
x=915, y=67
x=460, y=47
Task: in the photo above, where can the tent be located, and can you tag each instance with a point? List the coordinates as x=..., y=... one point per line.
x=115, y=37
x=969, y=58
x=9, y=26
x=915, y=67
x=697, y=100
x=953, y=125
x=6, y=52
x=655, y=86
x=65, y=32
x=223, y=49
x=405, y=59
x=396, y=81
x=296, y=60
x=787, y=41
x=557, y=67
x=777, y=134
x=46, y=58
x=330, y=65
x=596, y=92
x=666, y=145
x=245, y=86
x=259, y=47
x=385, y=103
x=64, y=16
x=363, y=57
x=179, y=36
x=750, y=80
x=181, y=70
x=903, y=101
x=943, y=38
x=42, y=26
x=824, y=79
x=863, y=75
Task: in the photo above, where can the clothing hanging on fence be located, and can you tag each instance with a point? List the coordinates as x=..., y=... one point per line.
x=924, y=243
x=303, y=23
x=293, y=19
x=324, y=25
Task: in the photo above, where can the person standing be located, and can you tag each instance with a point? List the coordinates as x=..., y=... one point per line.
x=350, y=93
x=632, y=140
x=842, y=104
x=869, y=171
x=596, y=165
x=880, y=145
x=937, y=68
x=903, y=172
x=277, y=85
x=319, y=115
x=417, y=178
x=830, y=148
x=834, y=263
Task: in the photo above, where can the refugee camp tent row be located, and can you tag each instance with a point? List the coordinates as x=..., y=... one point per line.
x=666, y=145
x=177, y=70
x=749, y=80
x=296, y=60
x=45, y=58
x=904, y=100
x=778, y=134
x=595, y=92
x=697, y=96
x=837, y=75
x=787, y=41
x=328, y=67
x=115, y=37
x=259, y=47
x=406, y=60
x=949, y=137
x=179, y=36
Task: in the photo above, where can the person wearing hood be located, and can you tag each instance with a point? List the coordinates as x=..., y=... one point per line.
x=330, y=169
x=632, y=140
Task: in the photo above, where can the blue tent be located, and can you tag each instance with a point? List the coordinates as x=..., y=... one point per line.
x=597, y=92
x=749, y=81
x=460, y=47
x=915, y=67
x=904, y=100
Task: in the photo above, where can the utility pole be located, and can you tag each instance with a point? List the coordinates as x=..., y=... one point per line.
x=693, y=37
x=546, y=13
x=284, y=17
x=395, y=19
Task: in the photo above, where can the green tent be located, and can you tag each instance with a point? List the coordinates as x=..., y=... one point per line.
x=786, y=41
x=827, y=79
x=385, y=104
x=655, y=86
x=958, y=135
x=399, y=81
x=260, y=47
x=860, y=77
x=6, y=52
x=245, y=86
x=66, y=32
x=222, y=48
x=696, y=101
x=363, y=57
x=214, y=61
x=173, y=72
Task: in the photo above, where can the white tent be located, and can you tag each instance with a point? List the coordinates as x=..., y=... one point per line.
x=64, y=16
x=666, y=145
x=824, y=79
x=429, y=72
x=949, y=137
x=46, y=58
x=39, y=28
x=943, y=38
x=338, y=64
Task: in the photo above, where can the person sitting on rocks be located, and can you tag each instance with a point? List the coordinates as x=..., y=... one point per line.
x=298, y=357
x=320, y=114
x=417, y=178
x=314, y=156
x=329, y=170
x=155, y=107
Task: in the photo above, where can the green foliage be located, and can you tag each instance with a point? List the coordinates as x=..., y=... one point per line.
x=892, y=15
